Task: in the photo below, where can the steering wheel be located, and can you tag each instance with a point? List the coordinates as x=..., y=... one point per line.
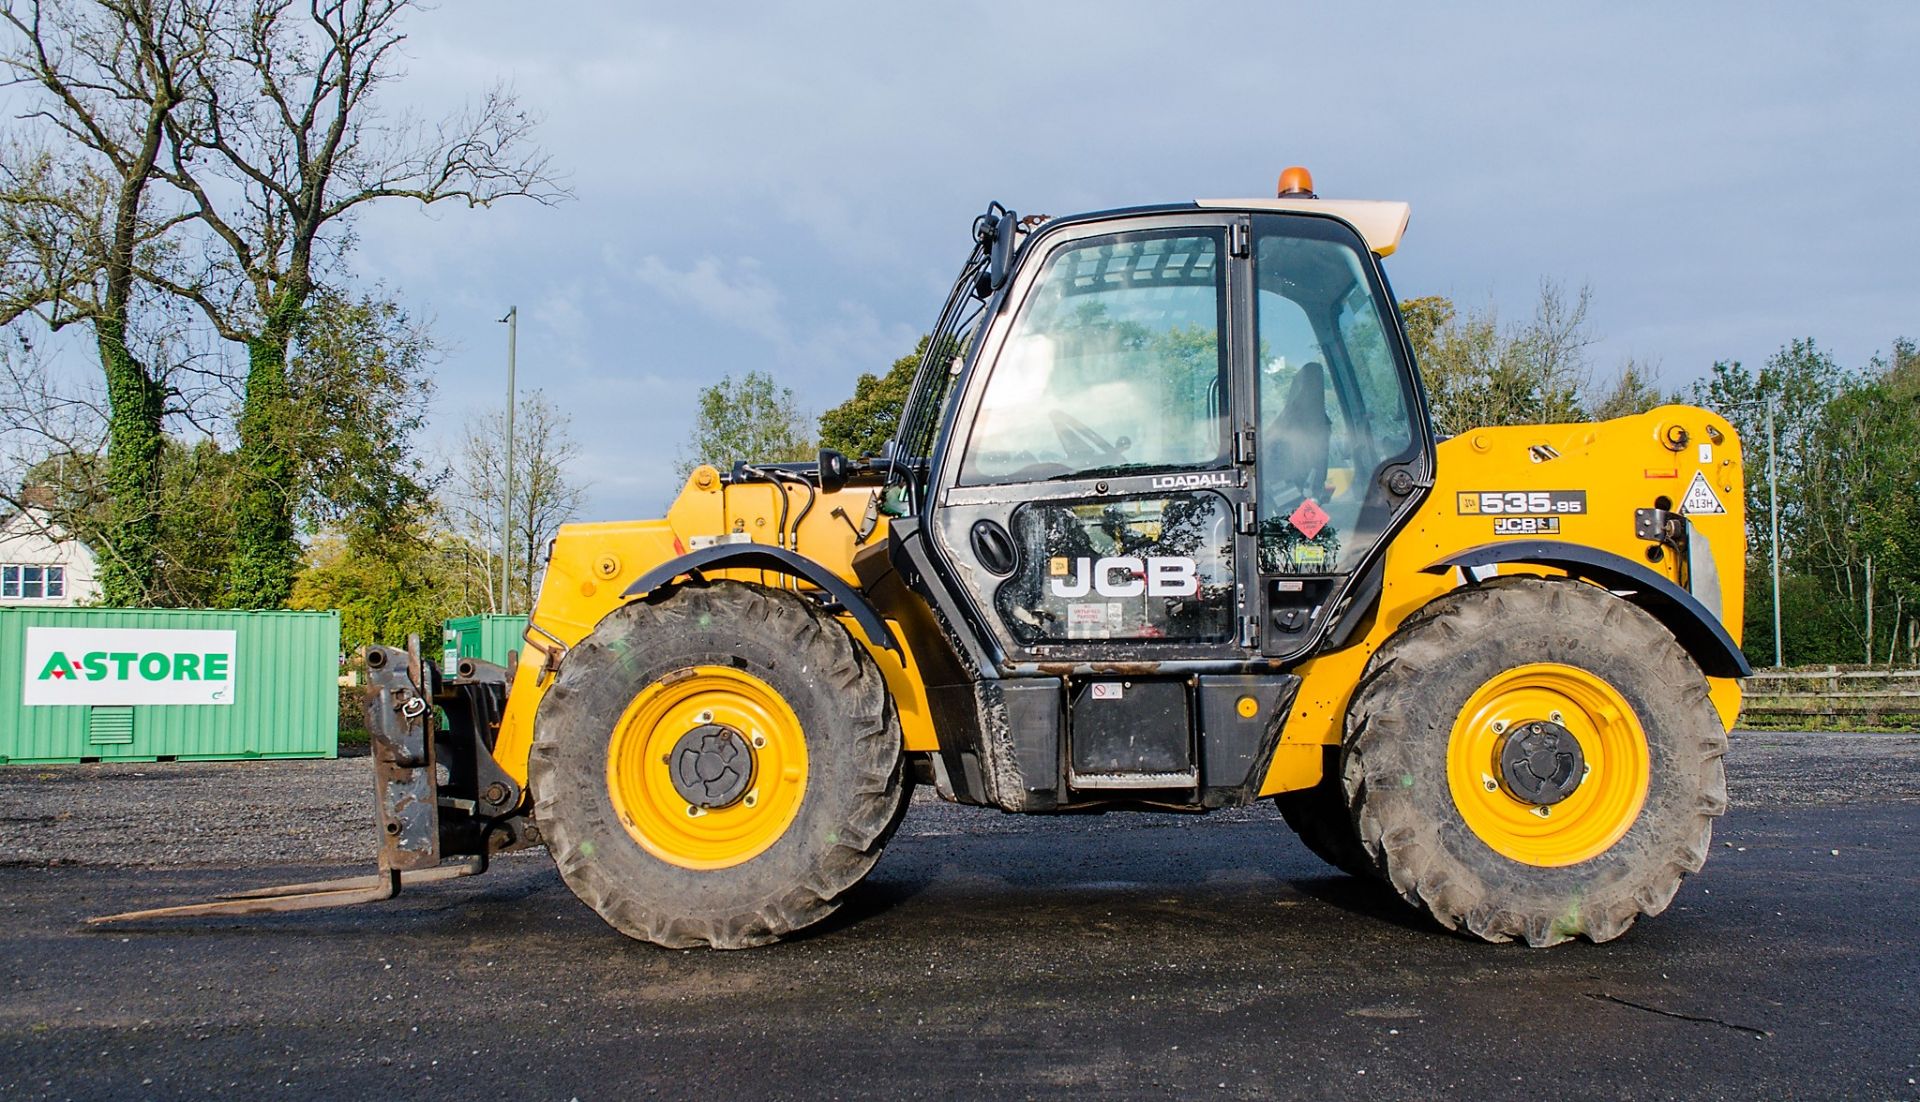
x=1080, y=441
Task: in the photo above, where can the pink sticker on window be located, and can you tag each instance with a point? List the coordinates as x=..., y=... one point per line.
x=1309, y=518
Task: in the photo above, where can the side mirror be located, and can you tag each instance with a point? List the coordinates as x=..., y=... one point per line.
x=1000, y=257
x=998, y=228
x=834, y=471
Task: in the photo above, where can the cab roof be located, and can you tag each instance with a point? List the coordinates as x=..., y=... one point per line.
x=1380, y=222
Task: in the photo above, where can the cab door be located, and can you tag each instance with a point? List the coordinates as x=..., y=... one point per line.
x=1095, y=508
x=1344, y=451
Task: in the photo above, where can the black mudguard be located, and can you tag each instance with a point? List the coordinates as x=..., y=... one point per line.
x=759, y=556
x=1697, y=628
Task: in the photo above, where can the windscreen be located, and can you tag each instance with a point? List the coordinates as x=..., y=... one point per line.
x=1115, y=364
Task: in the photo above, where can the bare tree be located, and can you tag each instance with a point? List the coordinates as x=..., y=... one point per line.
x=544, y=496
x=77, y=226
x=281, y=138
x=1634, y=389
x=51, y=435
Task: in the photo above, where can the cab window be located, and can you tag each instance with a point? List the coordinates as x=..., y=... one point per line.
x=1334, y=407
x=1115, y=365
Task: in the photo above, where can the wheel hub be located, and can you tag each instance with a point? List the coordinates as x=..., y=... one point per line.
x=1541, y=762
x=711, y=766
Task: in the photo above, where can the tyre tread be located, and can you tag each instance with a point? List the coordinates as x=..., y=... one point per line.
x=1400, y=836
x=867, y=719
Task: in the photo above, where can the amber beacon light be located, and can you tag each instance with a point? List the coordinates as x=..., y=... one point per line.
x=1296, y=183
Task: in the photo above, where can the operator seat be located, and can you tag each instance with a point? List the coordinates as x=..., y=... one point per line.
x=1296, y=442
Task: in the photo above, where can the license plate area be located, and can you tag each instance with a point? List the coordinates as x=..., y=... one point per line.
x=1131, y=733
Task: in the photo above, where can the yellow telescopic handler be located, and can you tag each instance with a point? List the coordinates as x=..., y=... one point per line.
x=1165, y=526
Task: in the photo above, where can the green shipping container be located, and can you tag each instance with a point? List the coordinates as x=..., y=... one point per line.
x=89, y=684
x=487, y=638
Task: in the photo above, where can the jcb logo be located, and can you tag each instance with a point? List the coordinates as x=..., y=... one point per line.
x=1129, y=576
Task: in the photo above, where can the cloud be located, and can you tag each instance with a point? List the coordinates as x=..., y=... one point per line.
x=734, y=294
x=789, y=188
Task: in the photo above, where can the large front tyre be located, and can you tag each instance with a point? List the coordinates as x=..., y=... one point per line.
x=717, y=766
x=1535, y=758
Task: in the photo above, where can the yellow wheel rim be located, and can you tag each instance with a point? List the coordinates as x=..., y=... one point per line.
x=683, y=712
x=1597, y=812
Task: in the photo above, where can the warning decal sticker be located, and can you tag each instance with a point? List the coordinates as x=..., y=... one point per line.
x=1310, y=518
x=1700, y=499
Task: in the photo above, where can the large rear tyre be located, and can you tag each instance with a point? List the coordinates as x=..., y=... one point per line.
x=1535, y=758
x=717, y=766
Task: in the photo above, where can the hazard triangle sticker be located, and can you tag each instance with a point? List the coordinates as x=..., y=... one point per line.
x=1700, y=500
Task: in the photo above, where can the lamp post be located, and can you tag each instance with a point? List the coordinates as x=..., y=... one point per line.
x=512, y=321
x=1773, y=509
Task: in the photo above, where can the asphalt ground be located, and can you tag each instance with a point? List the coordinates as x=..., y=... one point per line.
x=988, y=956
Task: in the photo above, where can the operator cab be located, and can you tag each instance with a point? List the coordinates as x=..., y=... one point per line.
x=1151, y=463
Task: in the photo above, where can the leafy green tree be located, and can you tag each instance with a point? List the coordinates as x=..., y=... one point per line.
x=199, y=483
x=1890, y=507
x=1480, y=373
x=359, y=388
x=1814, y=626
x=192, y=507
x=384, y=593
x=751, y=418
x=1862, y=521
x=1847, y=444
x=1798, y=381
x=359, y=397
x=862, y=423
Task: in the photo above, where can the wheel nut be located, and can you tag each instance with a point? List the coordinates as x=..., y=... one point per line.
x=1543, y=811
x=1499, y=726
x=752, y=798
x=1489, y=783
x=694, y=812
x=759, y=740
x=704, y=717
x=1556, y=717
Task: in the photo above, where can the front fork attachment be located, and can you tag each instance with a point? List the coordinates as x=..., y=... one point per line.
x=437, y=790
x=441, y=803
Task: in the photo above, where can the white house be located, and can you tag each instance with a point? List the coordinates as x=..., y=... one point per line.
x=40, y=567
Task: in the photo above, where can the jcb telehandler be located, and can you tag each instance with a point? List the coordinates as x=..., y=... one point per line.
x=1164, y=526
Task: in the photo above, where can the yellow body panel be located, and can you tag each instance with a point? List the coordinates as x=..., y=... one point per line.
x=592, y=565
x=1621, y=465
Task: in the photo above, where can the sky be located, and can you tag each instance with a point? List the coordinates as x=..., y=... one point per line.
x=788, y=188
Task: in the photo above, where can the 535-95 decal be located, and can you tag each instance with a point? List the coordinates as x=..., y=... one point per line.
x=1521, y=503
x=1522, y=512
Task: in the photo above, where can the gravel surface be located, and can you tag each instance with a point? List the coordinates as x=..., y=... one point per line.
x=989, y=955
x=266, y=813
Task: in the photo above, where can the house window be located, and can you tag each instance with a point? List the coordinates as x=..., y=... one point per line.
x=33, y=583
